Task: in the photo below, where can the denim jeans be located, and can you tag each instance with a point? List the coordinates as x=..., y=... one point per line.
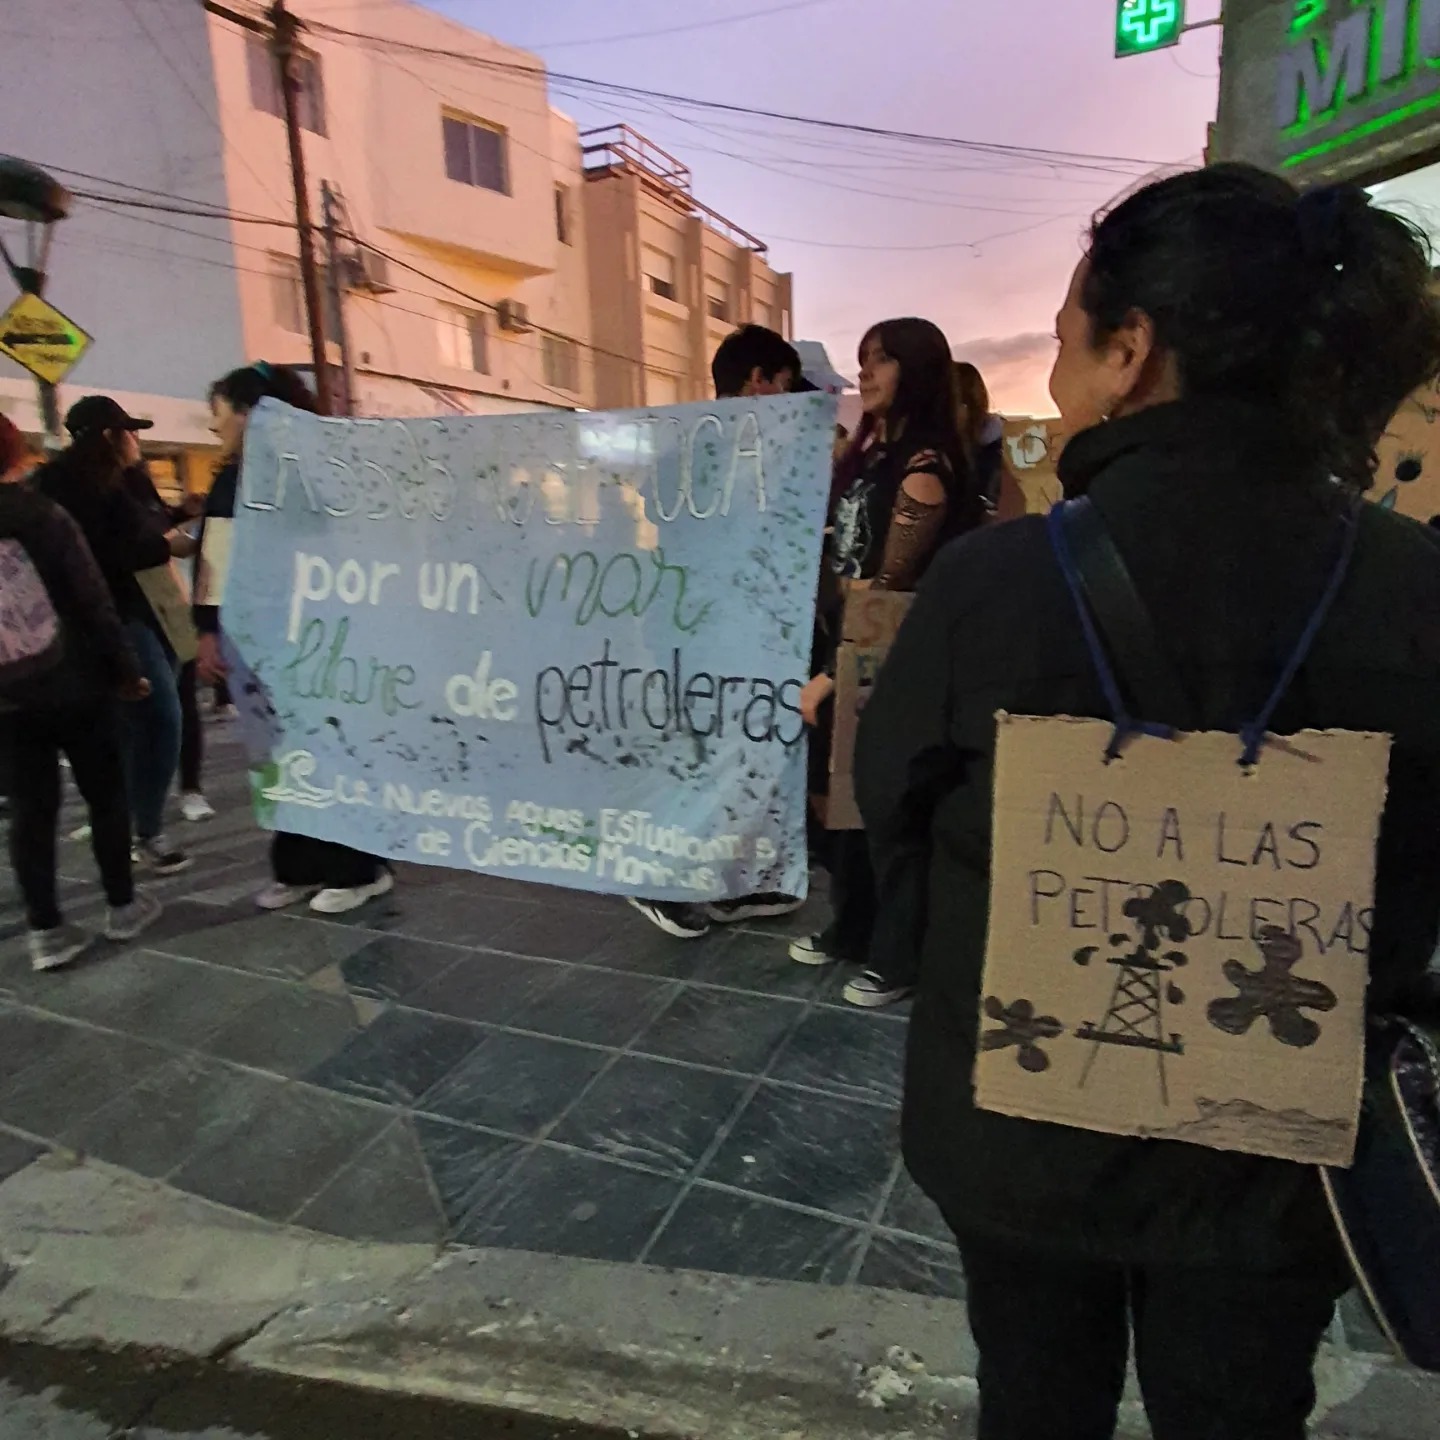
x=151, y=733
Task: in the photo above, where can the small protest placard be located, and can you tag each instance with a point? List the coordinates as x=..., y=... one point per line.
x=1178, y=946
x=872, y=620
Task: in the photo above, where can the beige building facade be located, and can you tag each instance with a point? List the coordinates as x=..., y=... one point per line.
x=669, y=277
x=465, y=288
x=490, y=258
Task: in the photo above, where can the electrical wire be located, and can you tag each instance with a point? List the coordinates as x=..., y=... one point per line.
x=711, y=24
x=214, y=120
x=1074, y=159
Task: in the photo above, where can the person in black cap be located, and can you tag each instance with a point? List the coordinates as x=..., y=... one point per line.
x=87, y=479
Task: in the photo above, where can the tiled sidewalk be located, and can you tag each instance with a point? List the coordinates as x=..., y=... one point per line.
x=476, y=1061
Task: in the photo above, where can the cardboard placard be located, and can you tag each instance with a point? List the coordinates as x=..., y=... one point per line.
x=213, y=569
x=169, y=599
x=1178, y=946
x=872, y=619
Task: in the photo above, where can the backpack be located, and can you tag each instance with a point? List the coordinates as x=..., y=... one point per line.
x=31, y=639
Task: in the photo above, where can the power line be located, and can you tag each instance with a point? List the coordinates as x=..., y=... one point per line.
x=767, y=13
x=975, y=245
x=137, y=204
x=196, y=97
x=123, y=203
x=1075, y=159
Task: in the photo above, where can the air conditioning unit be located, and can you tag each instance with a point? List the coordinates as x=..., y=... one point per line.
x=370, y=270
x=513, y=316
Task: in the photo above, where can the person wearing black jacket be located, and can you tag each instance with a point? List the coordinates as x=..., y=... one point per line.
x=901, y=491
x=335, y=879
x=1228, y=350
x=68, y=708
x=125, y=537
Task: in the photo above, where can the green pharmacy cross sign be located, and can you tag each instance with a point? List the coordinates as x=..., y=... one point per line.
x=1145, y=25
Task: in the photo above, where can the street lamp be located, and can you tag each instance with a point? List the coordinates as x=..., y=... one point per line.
x=37, y=200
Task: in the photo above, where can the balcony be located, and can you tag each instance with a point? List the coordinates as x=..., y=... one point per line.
x=621, y=150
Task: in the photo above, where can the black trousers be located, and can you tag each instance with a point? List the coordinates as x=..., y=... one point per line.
x=89, y=737
x=852, y=896
x=1220, y=1356
x=300, y=861
x=192, y=733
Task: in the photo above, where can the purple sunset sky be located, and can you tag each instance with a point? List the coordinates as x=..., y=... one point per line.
x=1037, y=73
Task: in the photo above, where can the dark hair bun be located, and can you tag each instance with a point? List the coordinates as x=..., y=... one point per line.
x=1317, y=305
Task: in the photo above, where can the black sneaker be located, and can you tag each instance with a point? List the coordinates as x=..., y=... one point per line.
x=684, y=922
x=160, y=857
x=873, y=991
x=752, y=907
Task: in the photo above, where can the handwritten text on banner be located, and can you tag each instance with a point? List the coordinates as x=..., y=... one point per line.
x=564, y=648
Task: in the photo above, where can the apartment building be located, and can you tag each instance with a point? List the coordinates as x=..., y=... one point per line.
x=468, y=289
x=491, y=258
x=669, y=276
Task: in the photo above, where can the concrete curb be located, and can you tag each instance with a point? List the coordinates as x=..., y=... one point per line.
x=96, y=1257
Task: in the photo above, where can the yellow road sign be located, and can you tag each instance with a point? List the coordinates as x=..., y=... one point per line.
x=36, y=335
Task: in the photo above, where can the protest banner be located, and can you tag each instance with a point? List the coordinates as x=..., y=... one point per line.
x=1178, y=945
x=871, y=621
x=562, y=647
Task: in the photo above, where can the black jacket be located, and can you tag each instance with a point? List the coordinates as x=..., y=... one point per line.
x=1229, y=545
x=97, y=657
x=124, y=536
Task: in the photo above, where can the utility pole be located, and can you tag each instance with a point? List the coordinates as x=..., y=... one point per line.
x=332, y=203
x=284, y=29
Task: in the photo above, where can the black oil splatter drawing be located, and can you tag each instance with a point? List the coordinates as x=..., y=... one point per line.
x=1135, y=1018
x=1274, y=992
x=1023, y=1029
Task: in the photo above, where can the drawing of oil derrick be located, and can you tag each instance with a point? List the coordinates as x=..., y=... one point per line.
x=1136, y=1015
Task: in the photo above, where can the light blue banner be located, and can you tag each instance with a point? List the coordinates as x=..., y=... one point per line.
x=566, y=648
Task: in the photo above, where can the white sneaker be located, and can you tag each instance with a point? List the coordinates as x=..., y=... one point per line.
x=873, y=991
x=811, y=951
x=341, y=902
x=282, y=897
x=50, y=949
x=125, y=922
x=195, y=807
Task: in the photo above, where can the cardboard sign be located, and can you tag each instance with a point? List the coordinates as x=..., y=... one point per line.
x=1178, y=947
x=169, y=600
x=1032, y=453
x=214, y=567
x=872, y=619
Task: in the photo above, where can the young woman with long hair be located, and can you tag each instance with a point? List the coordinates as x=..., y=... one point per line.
x=901, y=490
x=70, y=708
x=126, y=538
x=334, y=878
x=1229, y=349
x=981, y=432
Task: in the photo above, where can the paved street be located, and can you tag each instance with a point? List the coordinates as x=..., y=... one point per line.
x=474, y=1061
x=47, y=1395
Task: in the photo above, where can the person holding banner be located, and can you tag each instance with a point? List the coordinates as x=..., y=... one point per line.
x=749, y=361
x=901, y=491
x=128, y=542
x=1229, y=349
x=334, y=878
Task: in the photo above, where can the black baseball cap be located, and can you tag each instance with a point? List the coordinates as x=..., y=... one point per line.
x=100, y=412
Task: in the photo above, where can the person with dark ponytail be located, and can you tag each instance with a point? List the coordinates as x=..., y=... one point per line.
x=334, y=878
x=1231, y=352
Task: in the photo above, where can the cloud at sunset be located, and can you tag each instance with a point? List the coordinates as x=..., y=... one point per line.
x=1016, y=369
